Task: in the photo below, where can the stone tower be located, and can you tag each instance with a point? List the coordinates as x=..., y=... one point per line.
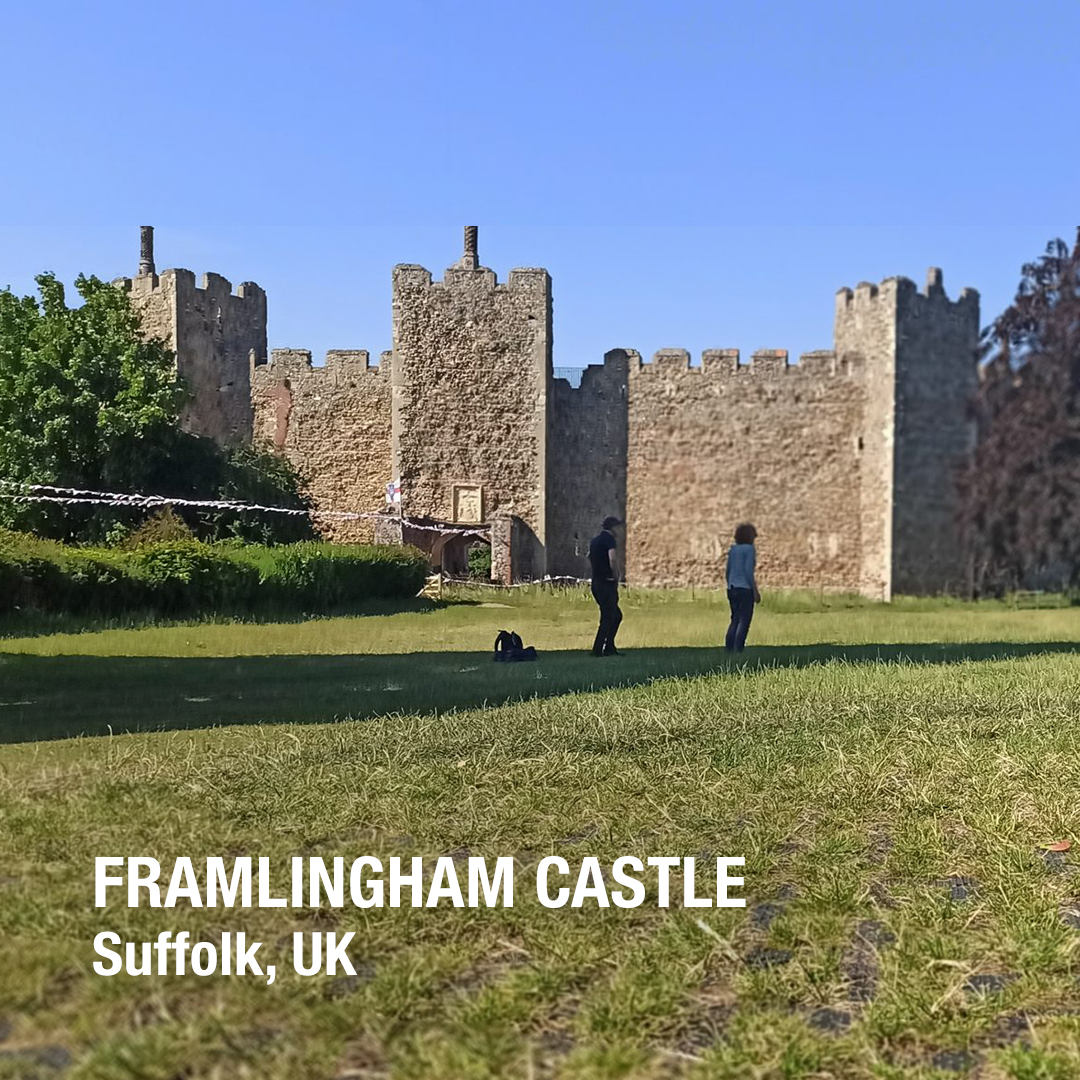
x=470, y=377
x=919, y=351
x=217, y=336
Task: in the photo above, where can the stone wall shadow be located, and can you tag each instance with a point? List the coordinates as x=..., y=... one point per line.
x=56, y=697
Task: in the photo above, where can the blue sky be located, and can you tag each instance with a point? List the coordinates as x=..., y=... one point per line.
x=703, y=175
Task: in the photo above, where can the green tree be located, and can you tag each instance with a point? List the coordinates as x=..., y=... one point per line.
x=253, y=475
x=81, y=394
x=86, y=402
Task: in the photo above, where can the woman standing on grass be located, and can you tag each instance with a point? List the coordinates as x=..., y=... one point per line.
x=742, y=588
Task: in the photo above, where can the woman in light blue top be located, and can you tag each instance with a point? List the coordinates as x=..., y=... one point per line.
x=742, y=587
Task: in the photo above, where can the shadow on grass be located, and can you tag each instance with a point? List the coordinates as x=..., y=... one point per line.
x=58, y=697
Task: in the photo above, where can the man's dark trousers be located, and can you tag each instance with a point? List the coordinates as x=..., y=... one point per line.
x=742, y=611
x=606, y=595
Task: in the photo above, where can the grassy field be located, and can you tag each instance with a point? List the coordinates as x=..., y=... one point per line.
x=431, y=658
x=891, y=775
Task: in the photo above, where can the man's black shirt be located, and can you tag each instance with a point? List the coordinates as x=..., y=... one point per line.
x=600, y=549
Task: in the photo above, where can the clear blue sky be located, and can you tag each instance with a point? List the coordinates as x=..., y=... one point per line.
x=702, y=175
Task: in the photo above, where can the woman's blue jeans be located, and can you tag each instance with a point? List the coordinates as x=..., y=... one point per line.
x=742, y=611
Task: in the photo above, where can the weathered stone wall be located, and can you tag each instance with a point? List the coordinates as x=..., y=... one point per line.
x=846, y=462
x=919, y=351
x=333, y=425
x=768, y=442
x=865, y=334
x=587, y=447
x=471, y=369
x=214, y=333
x=936, y=380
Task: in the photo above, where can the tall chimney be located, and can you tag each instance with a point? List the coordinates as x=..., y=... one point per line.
x=471, y=259
x=146, y=250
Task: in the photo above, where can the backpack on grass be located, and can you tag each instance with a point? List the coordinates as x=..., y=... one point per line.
x=509, y=649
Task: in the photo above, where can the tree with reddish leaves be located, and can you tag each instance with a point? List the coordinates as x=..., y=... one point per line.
x=1021, y=505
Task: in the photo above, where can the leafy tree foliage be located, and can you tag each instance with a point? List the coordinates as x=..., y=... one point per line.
x=86, y=402
x=1022, y=491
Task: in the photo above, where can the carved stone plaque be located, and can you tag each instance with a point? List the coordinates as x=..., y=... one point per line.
x=468, y=504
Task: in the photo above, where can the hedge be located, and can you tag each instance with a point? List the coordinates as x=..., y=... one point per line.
x=323, y=577
x=190, y=577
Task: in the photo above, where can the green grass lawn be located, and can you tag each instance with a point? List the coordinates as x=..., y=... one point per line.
x=891, y=775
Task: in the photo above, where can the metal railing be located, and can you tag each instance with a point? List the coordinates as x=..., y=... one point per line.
x=571, y=374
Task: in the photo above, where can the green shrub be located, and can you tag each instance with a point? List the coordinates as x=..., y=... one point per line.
x=102, y=582
x=30, y=571
x=161, y=526
x=330, y=577
x=185, y=575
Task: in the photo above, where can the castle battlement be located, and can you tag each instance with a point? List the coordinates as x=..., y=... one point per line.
x=525, y=279
x=903, y=290
x=468, y=276
x=724, y=363
x=180, y=280
x=339, y=364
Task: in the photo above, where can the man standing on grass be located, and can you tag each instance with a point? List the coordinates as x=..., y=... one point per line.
x=605, y=586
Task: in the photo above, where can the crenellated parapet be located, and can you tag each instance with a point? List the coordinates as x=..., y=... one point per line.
x=727, y=364
x=216, y=334
x=900, y=293
x=340, y=366
x=717, y=442
x=213, y=286
x=333, y=423
x=457, y=280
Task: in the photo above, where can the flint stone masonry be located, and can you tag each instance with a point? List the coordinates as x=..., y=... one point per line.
x=935, y=434
x=587, y=460
x=919, y=349
x=471, y=366
x=770, y=442
x=846, y=460
x=333, y=424
x=215, y=334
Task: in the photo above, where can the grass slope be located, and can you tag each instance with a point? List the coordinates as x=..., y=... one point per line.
x=903, y=919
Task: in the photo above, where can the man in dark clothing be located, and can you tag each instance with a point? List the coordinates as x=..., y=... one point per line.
x=605, y=586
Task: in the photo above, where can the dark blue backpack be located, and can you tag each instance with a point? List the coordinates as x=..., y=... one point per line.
x=509, y=649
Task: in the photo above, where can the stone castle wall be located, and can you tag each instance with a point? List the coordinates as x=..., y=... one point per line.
x=587, y=457
x=865, y=334
x=936, y=380
x=845, y=461
x=471, y=368
x=769, y=442
x=214, y=332
x=919, y=351
x=333, y=424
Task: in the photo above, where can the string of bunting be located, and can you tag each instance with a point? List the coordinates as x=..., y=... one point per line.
x=66, y=496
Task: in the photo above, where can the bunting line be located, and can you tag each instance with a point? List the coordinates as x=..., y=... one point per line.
x=65, y=496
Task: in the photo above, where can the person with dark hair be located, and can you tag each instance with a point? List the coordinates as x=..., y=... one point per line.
x=742, y=587
x=605, y=586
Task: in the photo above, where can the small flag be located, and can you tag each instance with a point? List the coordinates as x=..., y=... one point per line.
x=393, y=493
